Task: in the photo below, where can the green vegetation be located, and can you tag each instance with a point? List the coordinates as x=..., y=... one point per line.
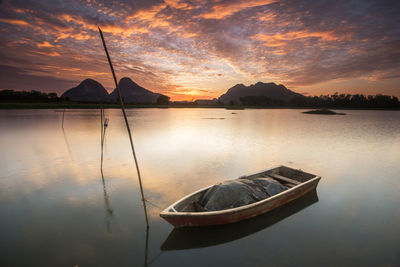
x=348, y=101
x=10, y=99
x=341, y=101
x=72, y=105
x=25, y=96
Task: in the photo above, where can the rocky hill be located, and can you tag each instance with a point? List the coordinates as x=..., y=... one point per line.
x=89, y=91
x=240, y=93
x=92, y=91
x=134, y=93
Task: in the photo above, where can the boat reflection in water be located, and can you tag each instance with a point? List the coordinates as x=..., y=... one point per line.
x=198, y=237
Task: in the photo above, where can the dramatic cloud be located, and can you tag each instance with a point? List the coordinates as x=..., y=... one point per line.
x=198, y=49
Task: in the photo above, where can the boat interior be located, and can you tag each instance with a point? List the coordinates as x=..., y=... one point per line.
x=285, y=175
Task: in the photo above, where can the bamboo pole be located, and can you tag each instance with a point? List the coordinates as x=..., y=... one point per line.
x=101, y=135
x=127, y=126
x=101, y=122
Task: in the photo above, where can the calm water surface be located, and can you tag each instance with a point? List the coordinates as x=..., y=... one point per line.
x=57, y=209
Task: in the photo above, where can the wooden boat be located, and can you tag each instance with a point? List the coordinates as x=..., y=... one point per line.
x=206, y=236
x=184, y=212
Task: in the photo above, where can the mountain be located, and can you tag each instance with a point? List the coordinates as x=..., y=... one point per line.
x=240, y=93
x=133, y=93
x=88, y=90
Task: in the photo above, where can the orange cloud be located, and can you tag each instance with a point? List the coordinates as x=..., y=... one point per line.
x=113, y=29
x=77, y=36
x=147, y=14
x=159, y=23
x=123, y=31
x=324, y=36
x=14, y=22
x=269, y=40
x=178, y=4
x=226, y=9
x=44, y=44
x=278, y=40
x=78, y=20
x=151, y=13
x=267, y=17
x=50, y=54
x=91, y=74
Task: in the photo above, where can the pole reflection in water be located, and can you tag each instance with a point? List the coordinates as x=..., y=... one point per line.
x=62, y=123
x=146, y=248
x=198, y=237
x=107, y=205
x=148, y=262
x=65, y=137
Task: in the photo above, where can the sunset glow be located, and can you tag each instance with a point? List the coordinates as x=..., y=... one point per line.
x=199, y=49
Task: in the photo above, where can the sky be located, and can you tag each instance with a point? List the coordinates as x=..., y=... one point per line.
x=198, y=49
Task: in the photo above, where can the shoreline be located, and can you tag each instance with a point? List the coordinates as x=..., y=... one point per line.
x=26, y=105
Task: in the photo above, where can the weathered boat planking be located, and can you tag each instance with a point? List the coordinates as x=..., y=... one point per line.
x=184, y=212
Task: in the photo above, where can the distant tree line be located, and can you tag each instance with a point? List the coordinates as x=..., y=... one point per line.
x=163, y=100
x=323, y=101
x=27, y=96
x=327, y=101
x=37, y=96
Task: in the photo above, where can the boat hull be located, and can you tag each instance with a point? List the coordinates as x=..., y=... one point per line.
x=188, y=219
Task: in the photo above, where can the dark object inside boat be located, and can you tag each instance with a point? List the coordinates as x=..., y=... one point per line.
x=236, y=193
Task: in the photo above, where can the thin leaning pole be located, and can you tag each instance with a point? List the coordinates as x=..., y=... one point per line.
x=102, y=125
x=127, y=126
x=101, y=134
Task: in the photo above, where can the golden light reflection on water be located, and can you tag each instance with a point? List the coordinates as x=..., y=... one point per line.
x=181, y=150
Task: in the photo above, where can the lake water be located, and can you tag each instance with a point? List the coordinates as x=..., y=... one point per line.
x=57, y=209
